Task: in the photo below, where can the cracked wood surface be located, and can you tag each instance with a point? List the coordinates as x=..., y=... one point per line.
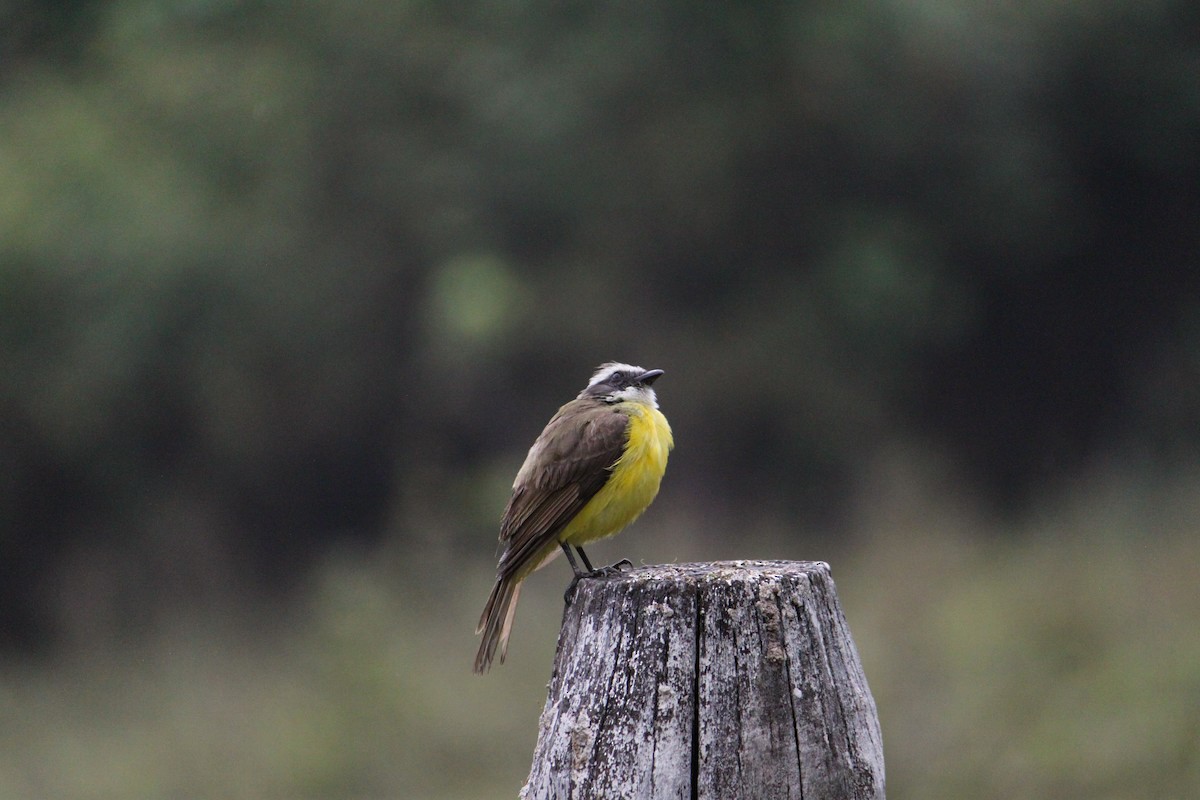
x=717, y=681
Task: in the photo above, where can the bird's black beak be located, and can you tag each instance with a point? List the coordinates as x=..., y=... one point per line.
x=649, y=376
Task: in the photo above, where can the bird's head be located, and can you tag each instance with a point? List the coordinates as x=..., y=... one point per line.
x=615, y=382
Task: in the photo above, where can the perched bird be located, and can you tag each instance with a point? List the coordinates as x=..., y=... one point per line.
x=592, y=471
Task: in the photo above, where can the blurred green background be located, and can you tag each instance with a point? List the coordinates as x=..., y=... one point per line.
x=287, y=289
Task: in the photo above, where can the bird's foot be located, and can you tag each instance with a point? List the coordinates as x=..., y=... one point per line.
x=569, y=594
x=611, y=569
x=599, y=572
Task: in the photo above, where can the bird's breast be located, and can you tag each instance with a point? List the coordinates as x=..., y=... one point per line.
x=648, y=442
x=634, y=481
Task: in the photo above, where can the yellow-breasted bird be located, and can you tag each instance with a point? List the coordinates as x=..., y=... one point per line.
x=592, y=471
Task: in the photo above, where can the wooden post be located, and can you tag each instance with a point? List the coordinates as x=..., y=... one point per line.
x=735, y=679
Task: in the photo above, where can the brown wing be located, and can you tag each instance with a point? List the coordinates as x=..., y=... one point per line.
x=566, y=466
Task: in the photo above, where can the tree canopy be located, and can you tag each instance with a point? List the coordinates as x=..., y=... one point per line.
x=274, y=274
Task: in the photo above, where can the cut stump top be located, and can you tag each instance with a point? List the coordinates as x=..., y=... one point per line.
x=722, y=680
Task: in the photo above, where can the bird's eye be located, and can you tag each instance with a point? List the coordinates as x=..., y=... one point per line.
x=617, y=379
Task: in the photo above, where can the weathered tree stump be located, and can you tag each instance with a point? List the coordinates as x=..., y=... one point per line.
x=734, y=679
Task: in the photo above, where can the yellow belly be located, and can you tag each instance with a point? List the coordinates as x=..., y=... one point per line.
x=634, y=481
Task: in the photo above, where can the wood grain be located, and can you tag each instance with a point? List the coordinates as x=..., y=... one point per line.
x=724, y=680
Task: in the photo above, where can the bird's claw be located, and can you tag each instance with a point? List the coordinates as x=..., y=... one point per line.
x=612, y=569
x=570, y=592
x=599, y=572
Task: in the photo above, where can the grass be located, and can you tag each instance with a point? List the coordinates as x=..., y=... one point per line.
x=1055, y=658
x=1062, y=660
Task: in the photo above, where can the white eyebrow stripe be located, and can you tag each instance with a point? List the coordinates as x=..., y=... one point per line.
x=607, y=368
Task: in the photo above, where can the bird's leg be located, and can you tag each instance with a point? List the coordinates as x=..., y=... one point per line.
x=566, y=548
x=590, y=571
x=586, y=563
x=609, y=570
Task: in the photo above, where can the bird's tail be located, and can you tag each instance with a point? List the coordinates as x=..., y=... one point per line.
x=496, y=622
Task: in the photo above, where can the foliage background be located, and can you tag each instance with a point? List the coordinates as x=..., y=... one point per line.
x=286, y=289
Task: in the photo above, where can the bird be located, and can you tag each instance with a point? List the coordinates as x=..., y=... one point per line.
x=593, y=470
